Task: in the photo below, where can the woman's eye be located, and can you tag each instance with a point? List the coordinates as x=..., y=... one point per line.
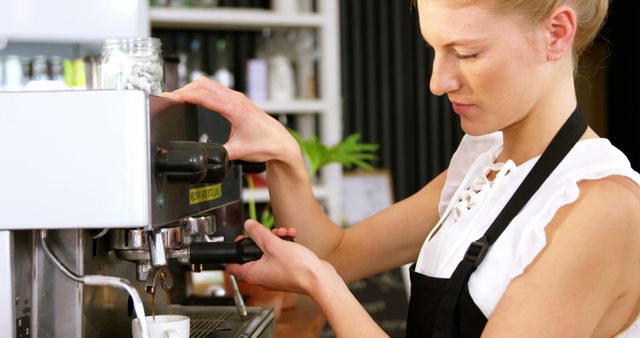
x=462, y=56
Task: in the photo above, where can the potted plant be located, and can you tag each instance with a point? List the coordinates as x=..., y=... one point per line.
x=349, y=152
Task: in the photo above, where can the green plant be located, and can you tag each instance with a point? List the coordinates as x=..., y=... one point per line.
x=349, y=152
x=266, y=218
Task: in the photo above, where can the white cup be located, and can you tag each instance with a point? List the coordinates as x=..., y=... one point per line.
x=164, y=326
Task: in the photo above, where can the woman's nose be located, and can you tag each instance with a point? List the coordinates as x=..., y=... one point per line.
x=443, y=77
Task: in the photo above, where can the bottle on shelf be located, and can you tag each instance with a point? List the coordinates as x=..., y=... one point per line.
x=206, y=3
x=182, y=52
x=56, y=68
x=195, y=57
x=25, y=62
x=285, y=6
x=13, y=73
x=171, y=72
x=258, y=71
x=177, y=3
x=281, y=74
x=1, y=73
x=305, y=57
x=222, y=60
x=39, y=68
x=305, y=6
x=86, y=72
x=81, y=73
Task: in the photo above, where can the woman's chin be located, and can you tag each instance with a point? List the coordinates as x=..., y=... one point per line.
x=475, y=130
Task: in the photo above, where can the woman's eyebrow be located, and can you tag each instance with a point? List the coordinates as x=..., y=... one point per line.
x=461, y=42
x=458, y=42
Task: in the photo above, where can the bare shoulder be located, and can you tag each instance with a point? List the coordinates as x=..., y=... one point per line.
x=584, y=283
x=614, y=199
x=606, y=213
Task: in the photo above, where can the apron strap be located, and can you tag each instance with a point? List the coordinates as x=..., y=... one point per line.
x=568, y=135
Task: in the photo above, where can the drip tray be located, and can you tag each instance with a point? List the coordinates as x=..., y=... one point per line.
x=224, y=322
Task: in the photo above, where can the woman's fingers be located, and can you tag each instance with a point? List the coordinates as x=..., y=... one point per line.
x=260, y=235
x=284, y=232
x=222, y=101
x=255, y=136
x=237, y=270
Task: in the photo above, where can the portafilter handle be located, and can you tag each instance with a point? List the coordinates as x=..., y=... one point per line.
x=242, y=251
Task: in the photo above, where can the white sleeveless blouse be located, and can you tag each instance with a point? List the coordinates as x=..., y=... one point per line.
x=477, y=202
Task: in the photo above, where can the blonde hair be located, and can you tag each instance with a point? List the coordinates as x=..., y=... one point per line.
x=590, y=15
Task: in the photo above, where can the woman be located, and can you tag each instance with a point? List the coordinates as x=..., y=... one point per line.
x=508, y=242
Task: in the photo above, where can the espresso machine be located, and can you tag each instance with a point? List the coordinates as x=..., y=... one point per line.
x=108, y=199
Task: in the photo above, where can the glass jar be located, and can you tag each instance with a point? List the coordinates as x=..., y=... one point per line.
x=132, y=63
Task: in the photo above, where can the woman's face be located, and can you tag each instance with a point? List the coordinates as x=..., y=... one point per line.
x=490, y=65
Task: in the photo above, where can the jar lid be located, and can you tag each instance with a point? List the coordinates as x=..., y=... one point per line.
x=131, y=43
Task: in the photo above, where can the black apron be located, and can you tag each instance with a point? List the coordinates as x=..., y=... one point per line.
x=443, y=308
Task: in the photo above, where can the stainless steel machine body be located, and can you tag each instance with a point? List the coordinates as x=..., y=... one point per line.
x=110, y=178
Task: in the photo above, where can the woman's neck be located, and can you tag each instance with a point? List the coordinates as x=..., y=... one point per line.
x=530, y=136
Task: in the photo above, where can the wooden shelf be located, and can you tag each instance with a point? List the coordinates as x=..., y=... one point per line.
x=261, y=195
x=230, y=18
x=294, y=107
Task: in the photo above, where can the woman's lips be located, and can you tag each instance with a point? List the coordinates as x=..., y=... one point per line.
x=462, y=108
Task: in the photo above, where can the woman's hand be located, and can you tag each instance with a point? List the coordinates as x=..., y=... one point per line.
x=255, y=136
x=284, y=266
x=288, y=266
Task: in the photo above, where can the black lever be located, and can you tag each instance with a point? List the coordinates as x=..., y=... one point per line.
x=183, y=161
x=242, y=251
x=217, y=162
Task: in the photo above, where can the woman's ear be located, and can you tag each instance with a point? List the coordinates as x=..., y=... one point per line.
x=561, y=28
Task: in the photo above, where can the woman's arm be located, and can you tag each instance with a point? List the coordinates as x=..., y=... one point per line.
x=585, y=282
x=291, y=267
x=386, y=240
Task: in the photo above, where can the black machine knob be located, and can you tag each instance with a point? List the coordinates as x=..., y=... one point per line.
x=217, y=163
x=183, y=162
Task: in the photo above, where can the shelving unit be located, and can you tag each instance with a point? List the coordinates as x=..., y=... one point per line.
x=261, y=195
x=328, y=108
x=294, y=107
x=230, y=18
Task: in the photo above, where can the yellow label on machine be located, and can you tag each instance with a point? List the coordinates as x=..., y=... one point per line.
x=203, y=194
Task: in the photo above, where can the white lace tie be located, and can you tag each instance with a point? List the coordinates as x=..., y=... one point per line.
x=479, y=188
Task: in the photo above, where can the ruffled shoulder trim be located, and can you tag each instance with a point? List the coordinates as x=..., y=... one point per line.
x=589, y=160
